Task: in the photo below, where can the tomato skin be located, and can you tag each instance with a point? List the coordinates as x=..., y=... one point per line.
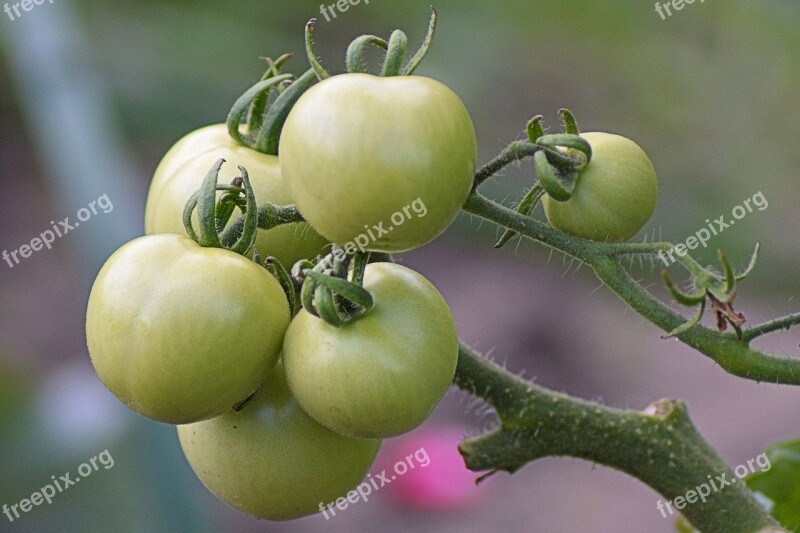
x=358, y=148
x=271, y=460
x=615, y=195
x=180, y=174
x=180, y=333
x=383, y=374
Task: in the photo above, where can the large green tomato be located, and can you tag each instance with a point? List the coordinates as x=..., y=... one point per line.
x=383, y=374
x=180, y=174
x=271, y=460
x=615, y=194
x=360, y=150
x=180, y=333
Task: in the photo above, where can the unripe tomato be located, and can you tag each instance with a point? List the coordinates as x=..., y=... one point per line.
x=180, y=333
x=615, y=194
x=358, y=149
x=382, y=374
x=271, y=460
x=180, y=174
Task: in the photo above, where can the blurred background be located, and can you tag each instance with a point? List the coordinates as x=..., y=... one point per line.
x=92, y=94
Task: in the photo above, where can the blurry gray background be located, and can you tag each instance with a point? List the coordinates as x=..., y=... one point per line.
x=93, y=93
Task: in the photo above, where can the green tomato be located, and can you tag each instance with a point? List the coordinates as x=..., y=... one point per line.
x=271, y=460
x=180, y=174
x=180, y=333
x=615, y=194
x=383, y=374
x=360, y=150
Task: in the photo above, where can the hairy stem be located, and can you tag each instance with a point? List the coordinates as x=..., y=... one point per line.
x=660, y=446
x=732, y=354
x=785, y=322
x=269, y=216
x=514, y=152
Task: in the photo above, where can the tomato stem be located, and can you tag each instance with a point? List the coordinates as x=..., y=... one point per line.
x=268, y=216
x=359, y=267
x=660, y=445
x=341, y=262
x=731, y=353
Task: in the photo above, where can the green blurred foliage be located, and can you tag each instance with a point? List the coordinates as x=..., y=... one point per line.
x=779, y=484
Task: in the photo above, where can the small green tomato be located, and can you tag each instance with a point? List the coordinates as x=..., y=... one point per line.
x=615, y=194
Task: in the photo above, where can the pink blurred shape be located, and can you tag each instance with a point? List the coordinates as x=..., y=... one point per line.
x=444, y=484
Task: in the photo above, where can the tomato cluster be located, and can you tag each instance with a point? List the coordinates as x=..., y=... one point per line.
x=281, y=408
x=278, y=413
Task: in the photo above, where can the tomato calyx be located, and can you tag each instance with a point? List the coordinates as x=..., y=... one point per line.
x=719, y=289
x=557, y=169
x=332, y=289
x=240, y=236
x=396, y=51
x=263, y=121
x=213, y=218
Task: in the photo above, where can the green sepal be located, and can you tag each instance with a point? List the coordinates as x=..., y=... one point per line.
x=277, y=269
x=243, y=105
x=525, y=207
x=395, y=54
x=268, y=138
x=354, y=60
x=689, y=324
x=426, y=45
x=550, y=180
